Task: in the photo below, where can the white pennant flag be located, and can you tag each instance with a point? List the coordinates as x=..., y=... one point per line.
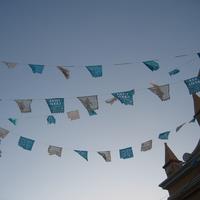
x=10, y=65
x=106, y=155
x=161, y=91
x=73, y=115
x=24, y=105
x=3, y=133
x=146, y=145
x=65, y=71
x=111, y=100
x=53, y=150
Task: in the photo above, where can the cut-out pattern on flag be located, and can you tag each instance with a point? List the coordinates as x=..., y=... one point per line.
x=83, y=154
x=53, y=150
x=145, y=146
x=126, y=153
x=73, y=115
x=95, y=70
x=10, y=65
x=65, y=71
x=13, y=120
x=161, y=91
x=106, y=155
x=193, y=84
x=56, y=105
x=51, y=119
x=36, y=68
x=111, y=100
x=152, y=65
x=3, y=133
x=196, y=100
x=173, y=72
x=26, y=143
x=164, y=135
x=90, y=103
x=24, y=105
x=180, y=126
x=125, y=97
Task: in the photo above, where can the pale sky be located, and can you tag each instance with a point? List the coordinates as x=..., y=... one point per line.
x=92, y=32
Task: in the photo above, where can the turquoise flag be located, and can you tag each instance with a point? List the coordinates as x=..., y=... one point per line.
x=26, y=143
x=84, y=154
x=193, y=84
x=126, y=153
x=152, y=65
x=13, y=121
x=164, y=135
x=56, y=105
x=95, y=70
x=173, y=72
x=51, y=119
x=36, y=68
x=125, y=97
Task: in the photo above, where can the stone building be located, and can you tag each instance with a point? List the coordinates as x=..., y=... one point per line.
x=183, y=178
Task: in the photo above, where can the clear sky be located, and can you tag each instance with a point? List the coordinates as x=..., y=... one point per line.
x=83, y=33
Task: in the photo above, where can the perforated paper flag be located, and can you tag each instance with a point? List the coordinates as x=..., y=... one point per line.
x=13, y=120
x=125, y=97
x=95, y=70
x=161, y=91
x=36, y=68
x=164, y=135
x=193, y=84
x=126, y=153
x=3, y=133
x=111, y=100
x=10, y=65
x=24, y=105
x=51, y=119
x=26, y=143
x=83, y=154
x=180, y=126
x=146, y=145
x=53, y=150
x=152, y=65
x=73, y=115
x=173, y=72
x=90, y=103
x=56, y=105
x=106, y=155
x=65, y=71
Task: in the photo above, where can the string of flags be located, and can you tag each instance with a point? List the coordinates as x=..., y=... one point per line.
x=95, y=71
x=125, y=153
x=90, y=103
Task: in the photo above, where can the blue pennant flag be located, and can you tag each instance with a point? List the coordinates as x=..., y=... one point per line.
x=56, y=105
x=13, y=121
x=126, y=153
x=84, y=154
x=51, y=119
x=36, y=68
x=152, y=65
x=193, y=84
x=125, y=97
x=164, y=135
x=173, y=72
x=26, y=143
x=95, y=70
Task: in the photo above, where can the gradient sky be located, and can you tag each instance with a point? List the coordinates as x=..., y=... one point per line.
x=83, y=33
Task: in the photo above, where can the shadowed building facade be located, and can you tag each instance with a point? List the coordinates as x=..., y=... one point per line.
x=183, y=178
